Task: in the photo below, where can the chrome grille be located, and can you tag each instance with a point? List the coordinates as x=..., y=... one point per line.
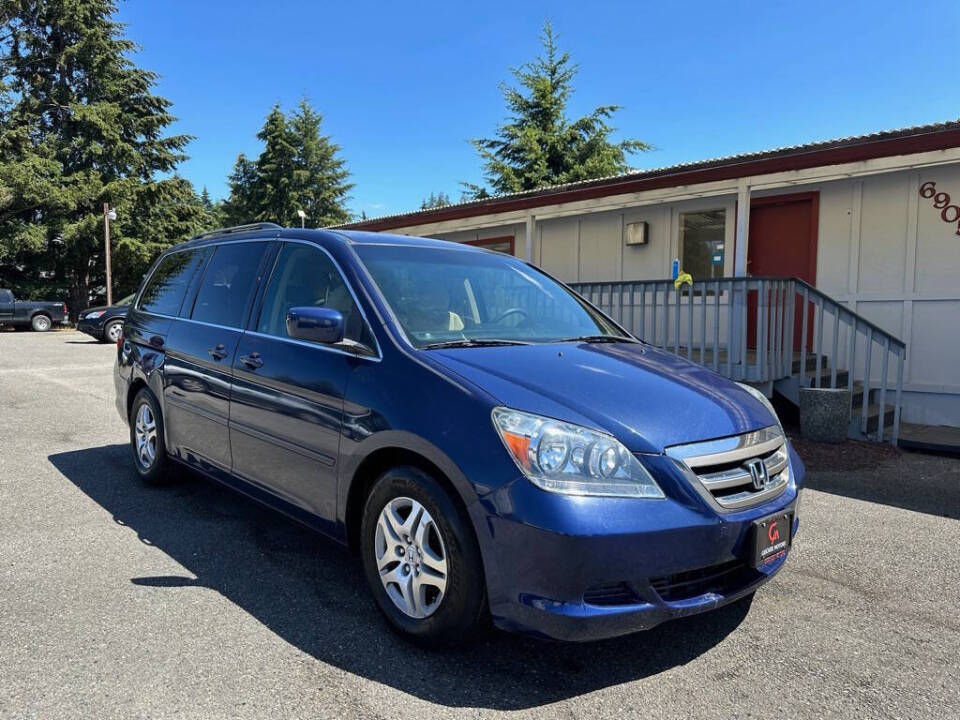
x=739, y=471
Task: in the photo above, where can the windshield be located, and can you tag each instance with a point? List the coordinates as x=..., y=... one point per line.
x=127, y=300
x=445, y=296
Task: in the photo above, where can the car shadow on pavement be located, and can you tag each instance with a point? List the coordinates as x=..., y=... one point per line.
x=312, y=593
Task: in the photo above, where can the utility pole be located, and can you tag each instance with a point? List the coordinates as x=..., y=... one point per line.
x=108, y=215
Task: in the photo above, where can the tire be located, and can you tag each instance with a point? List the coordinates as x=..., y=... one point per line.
x=445, y=619
x=152, y=467
x=114, y=326
x=41, y=323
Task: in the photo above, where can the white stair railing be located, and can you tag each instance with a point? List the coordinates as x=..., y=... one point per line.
x=761, y=330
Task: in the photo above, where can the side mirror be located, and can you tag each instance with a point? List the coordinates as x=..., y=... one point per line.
x=316, y=324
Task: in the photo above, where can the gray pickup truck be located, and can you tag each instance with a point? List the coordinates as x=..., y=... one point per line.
x=41, y=315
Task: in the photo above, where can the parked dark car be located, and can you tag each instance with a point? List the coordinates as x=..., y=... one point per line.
x=490, y=443
x=41, y=315
x=105, y=323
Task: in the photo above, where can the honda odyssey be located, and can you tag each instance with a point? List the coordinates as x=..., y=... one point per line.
x=490, y=444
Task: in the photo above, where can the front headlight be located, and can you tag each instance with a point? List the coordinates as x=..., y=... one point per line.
x=94, y=315
x=571, y=459
x=764, y=399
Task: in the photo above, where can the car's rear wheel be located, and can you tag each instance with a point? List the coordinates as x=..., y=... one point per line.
x=113, y=330
x=146, y=439
x=421, y=559
x=41, y=323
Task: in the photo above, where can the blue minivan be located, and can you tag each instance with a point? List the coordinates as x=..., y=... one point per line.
x=492, y=446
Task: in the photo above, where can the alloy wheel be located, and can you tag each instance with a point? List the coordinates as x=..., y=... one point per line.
x=113, y=331
x=411, y=557
x=145, y=433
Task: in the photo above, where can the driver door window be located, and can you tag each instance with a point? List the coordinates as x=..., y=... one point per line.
x=305, y=277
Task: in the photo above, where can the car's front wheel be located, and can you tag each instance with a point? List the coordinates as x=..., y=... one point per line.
x=421, y=559
x=113, y=330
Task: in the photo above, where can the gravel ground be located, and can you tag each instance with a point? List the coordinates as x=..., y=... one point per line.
x=118, y=600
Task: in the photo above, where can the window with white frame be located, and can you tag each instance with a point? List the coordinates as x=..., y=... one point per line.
x=702, y=236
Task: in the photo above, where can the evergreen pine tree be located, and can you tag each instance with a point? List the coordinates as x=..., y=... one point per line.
x=299, y=169
x=242, y=206
x=538, y=145
x=161, y=214
x=79, y=126
x=320, y=178
x=274, y=196
x=436, y=200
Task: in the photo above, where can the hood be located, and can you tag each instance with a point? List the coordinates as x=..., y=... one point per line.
x=104, y=308
x=649, y=399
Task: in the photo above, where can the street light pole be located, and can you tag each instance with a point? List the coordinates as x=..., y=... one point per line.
x=106, y=248
x=303, y=218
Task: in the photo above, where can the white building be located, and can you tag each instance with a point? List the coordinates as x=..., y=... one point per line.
x=872, y=221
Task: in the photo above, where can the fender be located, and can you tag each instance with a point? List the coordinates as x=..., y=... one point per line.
x=145, y=368
x=352, y=457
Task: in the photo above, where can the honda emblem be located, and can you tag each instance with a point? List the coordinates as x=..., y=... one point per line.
x=758, y=473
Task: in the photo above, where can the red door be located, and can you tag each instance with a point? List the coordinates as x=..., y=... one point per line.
x=782, y=243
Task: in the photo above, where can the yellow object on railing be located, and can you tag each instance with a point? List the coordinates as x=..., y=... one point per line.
x=683, y=278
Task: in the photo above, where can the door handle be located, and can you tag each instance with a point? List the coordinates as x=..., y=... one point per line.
x=252, y=360
x=217, y=353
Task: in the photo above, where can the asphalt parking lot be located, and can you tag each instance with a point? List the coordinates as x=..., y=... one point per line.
x=118, y=600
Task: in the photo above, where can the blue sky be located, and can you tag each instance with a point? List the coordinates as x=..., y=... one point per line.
x=402, y=86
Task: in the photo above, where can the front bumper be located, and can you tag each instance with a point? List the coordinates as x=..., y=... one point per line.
x=91, y=328
x=579, y=569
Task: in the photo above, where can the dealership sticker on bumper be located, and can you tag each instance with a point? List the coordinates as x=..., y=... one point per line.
x=771, y=538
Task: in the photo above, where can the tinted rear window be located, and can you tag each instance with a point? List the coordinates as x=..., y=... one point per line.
x=168, y=284
x=227, y=284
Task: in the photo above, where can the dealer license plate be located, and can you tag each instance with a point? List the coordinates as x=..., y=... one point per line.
x=771, y=538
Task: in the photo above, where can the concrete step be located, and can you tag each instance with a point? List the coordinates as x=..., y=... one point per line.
x=873, y=416
x=930, y=438
x=810, y=363
x=842, y=378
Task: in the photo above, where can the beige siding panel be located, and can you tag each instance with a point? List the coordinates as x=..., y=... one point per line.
x=601, y=245
x=931, y=408
x=833, y=237
x=888, y=315
x=883, y=233
x=558, y=248
x=646, y=262
x=935, y=346
x=938, y=245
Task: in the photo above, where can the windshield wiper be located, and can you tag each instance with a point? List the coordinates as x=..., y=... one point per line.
x=471, y=343
x=598, y=339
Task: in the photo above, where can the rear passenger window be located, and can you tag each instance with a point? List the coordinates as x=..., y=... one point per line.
x=305, y=276
x=227, y=283
x=168, y=284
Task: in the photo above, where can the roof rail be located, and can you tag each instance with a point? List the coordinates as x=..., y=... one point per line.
x=236, y=229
